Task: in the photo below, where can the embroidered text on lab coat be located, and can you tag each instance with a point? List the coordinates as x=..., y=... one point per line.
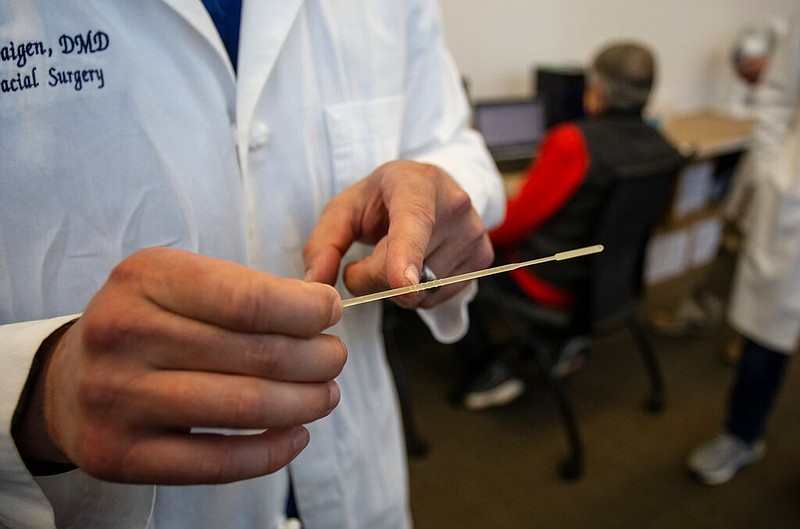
x=24, y=56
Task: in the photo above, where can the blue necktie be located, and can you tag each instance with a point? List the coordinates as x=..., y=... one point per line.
x=227, y=16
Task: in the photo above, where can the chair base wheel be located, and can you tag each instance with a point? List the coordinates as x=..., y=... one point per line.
x=654, y=405
x=417, y=449
x=570, y=469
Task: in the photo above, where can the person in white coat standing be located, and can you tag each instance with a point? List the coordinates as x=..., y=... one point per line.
x=765, y=303
x=175, y=206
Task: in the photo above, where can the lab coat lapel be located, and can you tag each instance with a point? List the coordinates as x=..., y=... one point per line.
x=265, y=27
x=196, y=15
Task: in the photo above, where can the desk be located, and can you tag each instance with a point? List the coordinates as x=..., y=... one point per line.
x=707, y=134
x=512, y=181
x=713, y=141
x=690, y=236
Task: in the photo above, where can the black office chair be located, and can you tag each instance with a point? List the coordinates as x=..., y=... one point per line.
x=636, y=201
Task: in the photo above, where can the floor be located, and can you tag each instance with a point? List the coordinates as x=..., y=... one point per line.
x=499, y=468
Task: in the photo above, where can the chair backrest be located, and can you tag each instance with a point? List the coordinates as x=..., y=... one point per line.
x=636, y=201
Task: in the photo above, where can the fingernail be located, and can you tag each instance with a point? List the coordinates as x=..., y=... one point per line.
x=412, y=275
x=300, y=438
x=335, y=394
x=336, y=310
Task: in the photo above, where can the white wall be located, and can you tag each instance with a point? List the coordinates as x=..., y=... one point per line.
x=497, y=42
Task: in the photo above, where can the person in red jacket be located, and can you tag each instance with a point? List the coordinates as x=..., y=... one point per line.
x=559, y=200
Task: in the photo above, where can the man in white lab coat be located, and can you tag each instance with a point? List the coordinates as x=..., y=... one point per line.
x=765, y=304
x=167, y=223
x=702, y=308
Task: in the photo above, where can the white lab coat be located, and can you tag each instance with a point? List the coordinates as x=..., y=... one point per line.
x=765, y=304
x=123, y=126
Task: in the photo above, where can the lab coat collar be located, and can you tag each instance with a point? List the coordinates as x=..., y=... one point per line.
x=196, y=15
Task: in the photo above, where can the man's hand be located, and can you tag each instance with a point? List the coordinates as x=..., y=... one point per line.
x=411, y=212
x=175, y=341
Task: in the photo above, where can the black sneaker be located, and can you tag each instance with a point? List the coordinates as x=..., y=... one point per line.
x=572, y=357
x=495, y=386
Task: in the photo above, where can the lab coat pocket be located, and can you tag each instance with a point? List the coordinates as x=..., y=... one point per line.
x=362, y=135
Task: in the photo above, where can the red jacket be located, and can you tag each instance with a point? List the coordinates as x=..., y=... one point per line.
x=549, y=183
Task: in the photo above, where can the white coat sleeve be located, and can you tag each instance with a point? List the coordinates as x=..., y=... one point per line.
x=22, y=503
x=436, y=124
x=28, y=502
x=437, y=131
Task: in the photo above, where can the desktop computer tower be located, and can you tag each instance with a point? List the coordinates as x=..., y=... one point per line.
x=561, y=90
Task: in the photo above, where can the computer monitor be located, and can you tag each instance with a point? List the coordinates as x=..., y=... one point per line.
x=512, y=129
x=561, y=90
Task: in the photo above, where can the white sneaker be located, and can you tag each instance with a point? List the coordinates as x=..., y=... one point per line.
x=495, y=386
x=718, y=460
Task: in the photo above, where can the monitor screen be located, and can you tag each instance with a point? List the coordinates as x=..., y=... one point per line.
x=561, y=90
x=510, y=122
